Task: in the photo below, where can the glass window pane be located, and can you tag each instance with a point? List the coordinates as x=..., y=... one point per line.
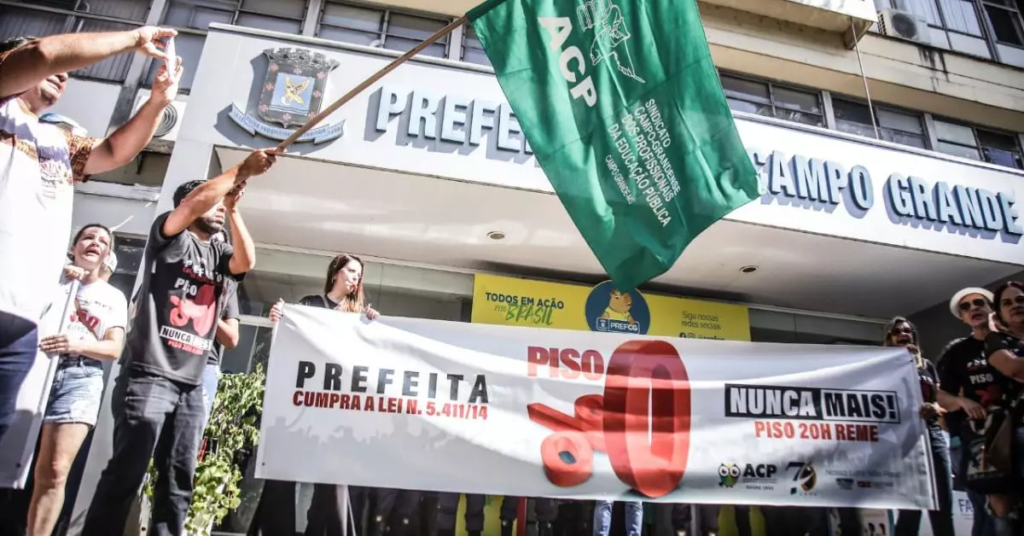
x=122, y=9
x=356, y=18
x=960, y=16
x=198, y=13
x=854, y=112
x=1006, y=24
x=405, y=45
x=959, y=150
x=800, y=117
x=284, y=8
x=745, y=89
x=955, y=133
x=269, y=23
x=477, y=56
x=902, y=138
x=997, y=140
x=798, y=100
x=859, y=129
x=1003, y=158
x=349, y=36
x=416, y=28
x=750, y=107
x=899, y=121
x=469, y=38
x=926, y=9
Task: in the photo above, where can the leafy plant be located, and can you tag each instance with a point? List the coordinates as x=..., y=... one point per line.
x=232, y=428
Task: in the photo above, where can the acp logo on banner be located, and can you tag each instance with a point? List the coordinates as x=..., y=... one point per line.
x=612, y=311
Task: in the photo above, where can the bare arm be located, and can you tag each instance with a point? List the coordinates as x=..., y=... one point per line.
x=211, y=192
x=126, y=142
x=28, y=64
x=108, y=348
x=243, y=259
x=227, y=332
x=1009, y=364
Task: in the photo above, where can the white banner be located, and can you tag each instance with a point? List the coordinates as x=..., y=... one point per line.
x=19, y=443
x=444, y=406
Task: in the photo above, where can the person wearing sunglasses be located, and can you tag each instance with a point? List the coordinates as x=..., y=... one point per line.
x=1004, y=351
x=901, y=332
x=965, y=375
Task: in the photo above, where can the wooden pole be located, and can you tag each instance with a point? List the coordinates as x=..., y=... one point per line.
x=369, y=81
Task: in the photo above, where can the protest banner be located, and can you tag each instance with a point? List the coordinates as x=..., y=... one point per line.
x=444, y=406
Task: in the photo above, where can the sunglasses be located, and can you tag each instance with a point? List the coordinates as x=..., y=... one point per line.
x=976, y=302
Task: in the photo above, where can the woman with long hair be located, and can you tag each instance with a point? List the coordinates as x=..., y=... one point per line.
x=94, y=333
x=901, y=332
x=342, y=291
x=1004, y=350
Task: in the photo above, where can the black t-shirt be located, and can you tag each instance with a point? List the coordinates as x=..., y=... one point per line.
x=179, y=302
x=230, y=311
x=963, y=365
x=318, y=300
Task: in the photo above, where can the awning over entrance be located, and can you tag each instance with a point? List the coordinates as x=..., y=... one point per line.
x=308, y=204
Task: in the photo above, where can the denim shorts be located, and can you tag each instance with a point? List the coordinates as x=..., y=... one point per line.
x=76, y=392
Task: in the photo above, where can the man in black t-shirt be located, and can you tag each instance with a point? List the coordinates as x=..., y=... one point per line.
x=157, y=399
x=965, y=376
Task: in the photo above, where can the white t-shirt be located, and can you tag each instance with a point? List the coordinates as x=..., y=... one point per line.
x=98, y=308
x=39, y=165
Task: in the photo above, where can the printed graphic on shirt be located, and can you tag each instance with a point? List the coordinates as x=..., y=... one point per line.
x=193, y=303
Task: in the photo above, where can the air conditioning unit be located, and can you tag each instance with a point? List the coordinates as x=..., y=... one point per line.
x=904, y=25
x=169, y=123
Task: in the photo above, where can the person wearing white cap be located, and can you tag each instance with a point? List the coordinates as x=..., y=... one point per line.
x=965, y=375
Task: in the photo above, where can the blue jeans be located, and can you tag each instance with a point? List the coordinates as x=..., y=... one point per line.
x=76, y=392
x=603, y=518
x=909, y=521
x=19, y=342
x=154, y=418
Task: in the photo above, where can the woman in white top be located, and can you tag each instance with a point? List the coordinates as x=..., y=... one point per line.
x=94, y=332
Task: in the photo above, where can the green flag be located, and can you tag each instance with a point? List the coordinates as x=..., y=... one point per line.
x=625, y=113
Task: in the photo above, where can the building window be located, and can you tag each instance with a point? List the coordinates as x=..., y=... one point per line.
x=1005, y=18
x=472, y=50
x=999, y=148
x=192, y=19
x=52, y=17
x=958, y=25
x=901, y=127
x=771, y=100
x=381, y=28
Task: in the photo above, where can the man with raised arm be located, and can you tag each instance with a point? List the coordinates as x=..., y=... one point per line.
x=39, y=164
x=157, y=401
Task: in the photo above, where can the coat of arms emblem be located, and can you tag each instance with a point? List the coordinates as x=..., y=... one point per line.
x=292, y=94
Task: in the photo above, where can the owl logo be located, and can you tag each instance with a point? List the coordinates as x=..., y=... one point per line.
x=728, y=474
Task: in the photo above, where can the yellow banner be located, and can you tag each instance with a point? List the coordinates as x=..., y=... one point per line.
x=523, y=302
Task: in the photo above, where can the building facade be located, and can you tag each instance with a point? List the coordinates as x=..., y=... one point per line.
x=889, y=136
